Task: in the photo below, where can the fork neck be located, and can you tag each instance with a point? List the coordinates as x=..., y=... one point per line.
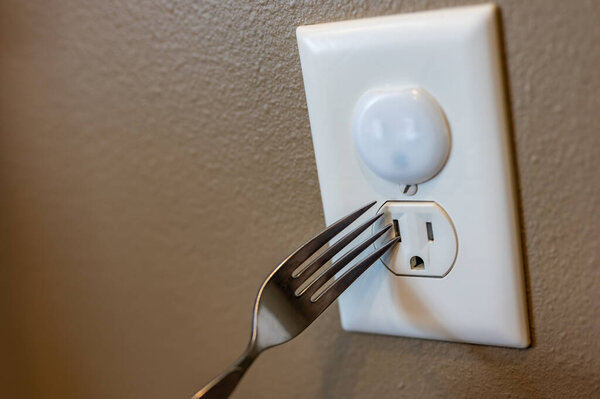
x=223, y=385
x=250, y=354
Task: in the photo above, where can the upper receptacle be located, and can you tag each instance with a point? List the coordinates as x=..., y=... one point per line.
x=428, y=246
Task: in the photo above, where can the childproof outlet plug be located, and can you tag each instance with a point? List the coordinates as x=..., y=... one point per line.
x=401, y=135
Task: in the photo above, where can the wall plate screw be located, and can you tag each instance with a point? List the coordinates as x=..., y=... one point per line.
x=409, y=189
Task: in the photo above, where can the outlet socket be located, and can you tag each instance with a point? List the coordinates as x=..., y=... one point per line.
x=454, y=55
x=429, y=243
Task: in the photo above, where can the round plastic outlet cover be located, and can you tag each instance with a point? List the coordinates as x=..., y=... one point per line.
x=401, y=135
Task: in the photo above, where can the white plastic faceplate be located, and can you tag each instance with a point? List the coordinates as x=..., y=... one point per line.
x=454, y=54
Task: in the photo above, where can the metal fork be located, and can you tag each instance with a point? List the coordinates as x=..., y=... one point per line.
x=285, y=305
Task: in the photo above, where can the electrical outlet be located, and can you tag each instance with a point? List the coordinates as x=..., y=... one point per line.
x=409, y=110
x=427, y=246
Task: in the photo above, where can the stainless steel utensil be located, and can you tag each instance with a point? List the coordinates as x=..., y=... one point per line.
x=285, y=305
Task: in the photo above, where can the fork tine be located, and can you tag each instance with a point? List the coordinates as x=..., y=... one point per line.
x=317, y=263
x=311, y=246
x=328, y=273
x=340, y=284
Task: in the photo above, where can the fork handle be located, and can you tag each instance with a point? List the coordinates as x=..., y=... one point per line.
x=223, y=385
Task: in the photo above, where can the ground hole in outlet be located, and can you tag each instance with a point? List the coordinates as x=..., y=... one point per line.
x=416, y=262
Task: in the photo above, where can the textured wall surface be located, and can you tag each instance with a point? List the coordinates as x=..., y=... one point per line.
x=156, y=162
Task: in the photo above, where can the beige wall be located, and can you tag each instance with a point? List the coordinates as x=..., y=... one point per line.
x=156, y=162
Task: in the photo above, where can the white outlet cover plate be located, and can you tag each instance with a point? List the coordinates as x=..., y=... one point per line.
x=455, y=55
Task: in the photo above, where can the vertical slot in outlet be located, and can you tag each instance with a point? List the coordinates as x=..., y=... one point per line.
x=429, y=231
x=396, y=229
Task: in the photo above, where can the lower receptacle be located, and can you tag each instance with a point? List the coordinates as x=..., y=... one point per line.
x=428, y=245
